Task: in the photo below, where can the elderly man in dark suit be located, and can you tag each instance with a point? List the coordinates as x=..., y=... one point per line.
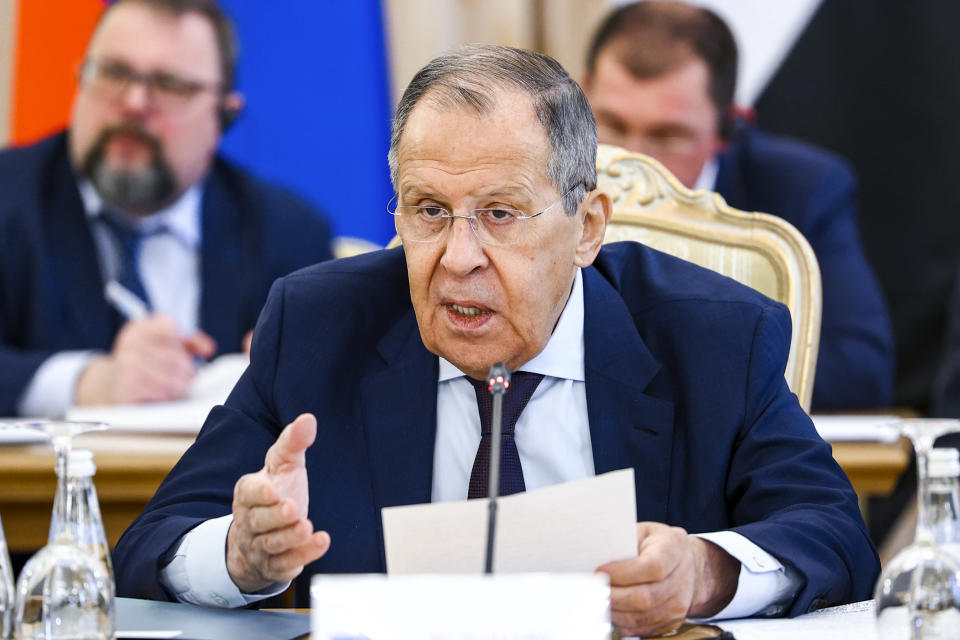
x=625, y=357
x=133, y=193
x=660, y=79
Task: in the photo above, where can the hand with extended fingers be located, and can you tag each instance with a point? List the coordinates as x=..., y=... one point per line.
x=271, y=539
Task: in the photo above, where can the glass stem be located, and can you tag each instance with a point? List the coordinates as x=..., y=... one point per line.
x=924, y=533
x=61, y=516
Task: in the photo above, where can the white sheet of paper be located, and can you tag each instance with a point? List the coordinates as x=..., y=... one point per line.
x=575, y=526
x=862, y=428
x=155, y=417
x=216, y=379
x=11, y=434
x=211, y=387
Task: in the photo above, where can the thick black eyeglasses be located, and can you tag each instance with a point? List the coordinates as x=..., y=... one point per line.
x=112, y=78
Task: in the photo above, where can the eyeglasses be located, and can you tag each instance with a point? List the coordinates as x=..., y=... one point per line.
x=498, y=227
x=656, y=145
x=111, y=79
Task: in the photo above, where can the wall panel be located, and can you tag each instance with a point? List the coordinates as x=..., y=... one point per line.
x=8, y=26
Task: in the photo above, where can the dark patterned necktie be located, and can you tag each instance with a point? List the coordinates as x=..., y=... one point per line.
x=129, y=242
x=522, y=386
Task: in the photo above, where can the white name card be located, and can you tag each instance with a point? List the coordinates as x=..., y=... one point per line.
x=518, y=606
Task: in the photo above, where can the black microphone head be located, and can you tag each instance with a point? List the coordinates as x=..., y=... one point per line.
x=498, y=379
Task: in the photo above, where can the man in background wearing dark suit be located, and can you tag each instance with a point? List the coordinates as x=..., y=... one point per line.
x=133, y=193
x=364, y=385
x=660, y=79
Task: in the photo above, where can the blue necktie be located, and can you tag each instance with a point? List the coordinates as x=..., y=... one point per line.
x=522, y=386
x=129, y=242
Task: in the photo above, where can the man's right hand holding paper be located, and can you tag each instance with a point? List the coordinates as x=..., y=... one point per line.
x=271, y=539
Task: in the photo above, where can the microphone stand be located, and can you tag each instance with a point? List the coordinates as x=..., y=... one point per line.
x=498, y=381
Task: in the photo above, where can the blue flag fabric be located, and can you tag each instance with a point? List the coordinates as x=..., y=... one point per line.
x=318, y=109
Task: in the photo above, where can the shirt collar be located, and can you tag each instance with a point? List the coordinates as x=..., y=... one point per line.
x=563, y=355
x=708, y=175
x=181, y=218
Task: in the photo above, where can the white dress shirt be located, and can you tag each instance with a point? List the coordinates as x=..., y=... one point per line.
x=553, y=439
x=552, y=434
x=708, y=175
x=169, y=269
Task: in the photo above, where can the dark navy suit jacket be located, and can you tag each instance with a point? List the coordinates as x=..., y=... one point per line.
x=946, y=388
x=816, y=192
x=684, y=383
x=51, y=289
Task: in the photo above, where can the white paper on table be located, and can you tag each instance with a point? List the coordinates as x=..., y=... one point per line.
x=863, y=428
x=216, y=379
x=855, y=620
x=10, y=434
x=574, y=526
x=212, y=385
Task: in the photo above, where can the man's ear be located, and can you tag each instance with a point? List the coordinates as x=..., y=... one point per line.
x=231, y=105
x=595, y=210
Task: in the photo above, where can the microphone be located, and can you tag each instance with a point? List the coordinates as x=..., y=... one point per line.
x=498, y=381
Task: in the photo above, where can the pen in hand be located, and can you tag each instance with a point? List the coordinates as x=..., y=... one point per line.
x=150, y=360
x=129, y=304
x=125, y=301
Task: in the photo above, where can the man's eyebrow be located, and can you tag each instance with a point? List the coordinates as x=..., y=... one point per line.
x=110, y=59
x=672, y=129
x=519, y=196
x=416, y=190
x=119, y=61
x=507, y=190
x=611, y=118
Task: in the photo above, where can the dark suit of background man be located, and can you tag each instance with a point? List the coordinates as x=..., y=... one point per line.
x=660, y=79
x=134, y=192
x=647, y=362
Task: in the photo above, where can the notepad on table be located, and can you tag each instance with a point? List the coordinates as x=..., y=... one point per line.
x=863, y=428
x=212, y=385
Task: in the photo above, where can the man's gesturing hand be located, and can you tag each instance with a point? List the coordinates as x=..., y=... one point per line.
x=271, y=539
x=673, y=576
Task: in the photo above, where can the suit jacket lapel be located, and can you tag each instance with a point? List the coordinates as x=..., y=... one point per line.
x=627, y=427
x=400, y=407
x=224, y=258
x=74, y=258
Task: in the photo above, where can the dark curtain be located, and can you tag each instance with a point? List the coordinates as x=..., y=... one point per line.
x=878, y=81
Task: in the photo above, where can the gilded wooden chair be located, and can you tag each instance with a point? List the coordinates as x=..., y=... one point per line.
x=762, y=251
x=348, y=246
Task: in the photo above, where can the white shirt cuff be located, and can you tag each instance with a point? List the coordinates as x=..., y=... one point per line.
x=765, y=586
x=50, y=392
x=197, y=573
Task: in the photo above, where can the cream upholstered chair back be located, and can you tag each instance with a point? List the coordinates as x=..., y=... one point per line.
x=348, y=246
x=759, y=250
